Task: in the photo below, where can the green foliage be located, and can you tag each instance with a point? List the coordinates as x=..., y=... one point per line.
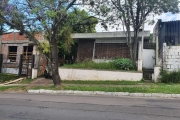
x=151, y=37
x=123, y=64
x=142, y=80
x=170, y=77
x=117, y=64
x=78, y=21
x=44, y=47
x=65, y=41
x=92, y=65
x=81, y=21
x=7, y=77
x=51, y=14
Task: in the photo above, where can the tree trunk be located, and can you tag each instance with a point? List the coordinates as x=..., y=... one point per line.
x=54, y=63
x=135, y=43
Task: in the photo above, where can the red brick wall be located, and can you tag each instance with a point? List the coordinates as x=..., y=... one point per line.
x=111, y=50
x=13, y=36
x=85, y=50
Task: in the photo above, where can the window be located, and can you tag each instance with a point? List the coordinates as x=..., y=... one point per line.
x=12, y=53
x=27, y=52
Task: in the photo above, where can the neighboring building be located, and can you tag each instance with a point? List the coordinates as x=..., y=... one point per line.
x=103, y=46
x=168, y=34
x=14, y=45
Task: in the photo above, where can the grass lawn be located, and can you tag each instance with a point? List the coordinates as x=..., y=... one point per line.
x=132, y=89
x=26, y=81
x=12, y=88
x=107, y=86
x=103, y=82
x=116, y=86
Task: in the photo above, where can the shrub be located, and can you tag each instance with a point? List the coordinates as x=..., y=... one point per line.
x=117, y=64
x=170, y=77
x=92, y=65
x=7, y=77
x=123, y=64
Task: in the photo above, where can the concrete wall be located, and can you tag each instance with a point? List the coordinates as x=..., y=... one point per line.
x=171, y=58
x=10, y=70
x=119, y=34
x=79, y=74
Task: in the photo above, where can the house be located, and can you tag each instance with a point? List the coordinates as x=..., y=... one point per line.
x=20, y=54
x=18, y=51
x=167, y=35
x=103, y=46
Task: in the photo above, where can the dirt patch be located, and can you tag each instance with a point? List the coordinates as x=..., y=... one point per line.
x=42, y=81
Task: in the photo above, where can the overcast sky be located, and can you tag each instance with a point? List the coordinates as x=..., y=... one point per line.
x=164, y=17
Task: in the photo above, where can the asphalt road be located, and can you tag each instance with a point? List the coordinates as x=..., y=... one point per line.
x=72, y=107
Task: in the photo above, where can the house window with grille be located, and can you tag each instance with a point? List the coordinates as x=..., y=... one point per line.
x=27, y=52
x=12, y=53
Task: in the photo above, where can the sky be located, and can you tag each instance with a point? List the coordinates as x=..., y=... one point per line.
x=164, y=17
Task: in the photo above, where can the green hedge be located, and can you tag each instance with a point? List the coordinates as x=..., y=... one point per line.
x=170, y=77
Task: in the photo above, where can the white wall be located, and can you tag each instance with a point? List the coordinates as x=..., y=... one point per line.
x=148, y=58
x=10, y=70
x=171, y=58
x=80, y=74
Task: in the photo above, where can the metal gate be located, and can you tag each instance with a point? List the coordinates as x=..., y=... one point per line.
x=26, y=63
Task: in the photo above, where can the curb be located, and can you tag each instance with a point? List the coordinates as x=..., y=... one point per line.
x=159, y=95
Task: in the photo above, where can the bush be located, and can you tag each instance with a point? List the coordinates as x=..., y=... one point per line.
x=92, y=65
x=123, y=64
x=117, y=64
x=7, y=77
x=170, y=77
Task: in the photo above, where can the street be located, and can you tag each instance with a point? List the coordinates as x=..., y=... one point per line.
x=22, y=106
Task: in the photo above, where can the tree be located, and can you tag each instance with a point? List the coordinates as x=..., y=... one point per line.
x=1, y=27
x=31, y=16
x=79, y=21
x=82, y=22
x=132, y=14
